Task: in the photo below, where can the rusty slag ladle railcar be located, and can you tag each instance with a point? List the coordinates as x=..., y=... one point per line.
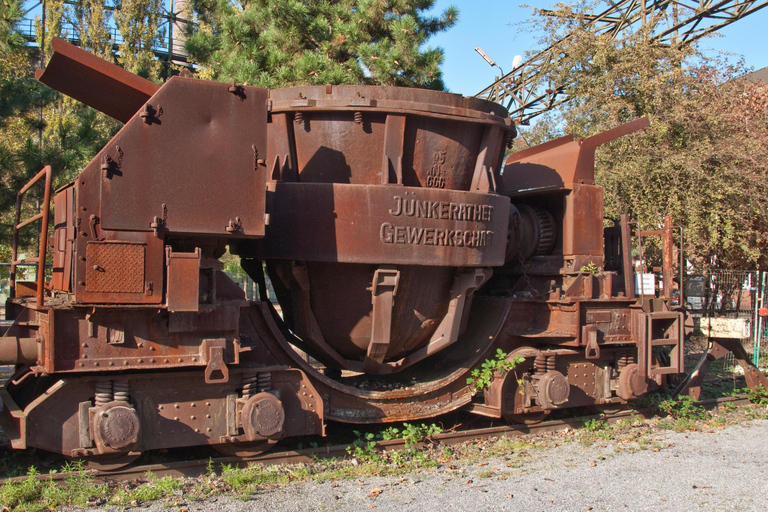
x=400, y=258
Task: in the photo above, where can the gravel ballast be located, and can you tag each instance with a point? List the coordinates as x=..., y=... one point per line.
x=714, y=469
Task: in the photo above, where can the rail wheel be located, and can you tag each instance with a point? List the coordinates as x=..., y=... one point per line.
x=111, y=462
x=529, y=418
x=244, y=449
x=513, y=399
x=606, y=408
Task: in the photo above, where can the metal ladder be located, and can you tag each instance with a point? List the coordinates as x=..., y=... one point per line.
x=43, y=239
x=662, y=329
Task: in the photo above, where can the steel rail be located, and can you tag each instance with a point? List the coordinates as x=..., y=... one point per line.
x=199, y=467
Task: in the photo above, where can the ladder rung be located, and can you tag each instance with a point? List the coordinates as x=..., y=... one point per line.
x=663, y=315
x=665, y=342
x=664, y=370
x=29, y=220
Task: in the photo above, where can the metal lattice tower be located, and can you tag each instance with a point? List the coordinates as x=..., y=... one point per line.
x=527, y=93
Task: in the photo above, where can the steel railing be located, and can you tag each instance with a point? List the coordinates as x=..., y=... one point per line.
x=43, y=242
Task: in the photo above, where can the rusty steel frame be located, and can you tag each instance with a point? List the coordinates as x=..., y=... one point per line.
x=401, y=259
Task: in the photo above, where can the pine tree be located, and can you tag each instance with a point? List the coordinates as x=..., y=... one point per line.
x=278, y=43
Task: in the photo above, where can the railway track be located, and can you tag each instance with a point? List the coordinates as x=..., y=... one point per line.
x=192, y=468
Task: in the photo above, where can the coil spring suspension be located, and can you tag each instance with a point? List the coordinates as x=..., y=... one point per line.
x=120, y=390
x=624, y=358
x=540, y=363
x=256, y=382
x=298, y=118
x=250, y=384
x=359, y=117
x=550, y=363
x=103, y=393
x=265, y=381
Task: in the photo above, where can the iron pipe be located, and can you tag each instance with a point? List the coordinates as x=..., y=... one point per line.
x=14, y=350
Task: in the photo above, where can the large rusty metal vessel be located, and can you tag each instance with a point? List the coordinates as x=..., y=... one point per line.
x=401, y=258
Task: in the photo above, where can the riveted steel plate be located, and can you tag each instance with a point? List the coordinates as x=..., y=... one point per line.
x=114, y=267
x=397, y=225
x=191, y=159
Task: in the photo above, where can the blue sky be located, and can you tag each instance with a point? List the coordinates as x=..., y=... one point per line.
x=495, y=24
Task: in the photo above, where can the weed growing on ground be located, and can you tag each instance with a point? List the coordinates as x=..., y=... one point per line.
x=649, y=401
x=679, y=424
x=152, y=490
x=683, y=407
x=758, y=396
x=594, y=429
x=25, y=492
x=413, y=434
x=685, y=413
x=623, y=424
x=755, y=413
x=364, y=447
x=32, y=495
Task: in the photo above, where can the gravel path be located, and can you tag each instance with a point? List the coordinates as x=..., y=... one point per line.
x=720, y=469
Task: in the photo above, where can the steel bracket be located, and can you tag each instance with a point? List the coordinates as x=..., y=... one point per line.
x=212, y=351
x=593, y=348
x=385, y=282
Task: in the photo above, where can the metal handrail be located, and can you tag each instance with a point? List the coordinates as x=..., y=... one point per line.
x=43, y=242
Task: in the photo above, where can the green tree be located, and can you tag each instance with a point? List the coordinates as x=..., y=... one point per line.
x=137, y=22
x=702, y=160
x=278, y=43
x=38, y=127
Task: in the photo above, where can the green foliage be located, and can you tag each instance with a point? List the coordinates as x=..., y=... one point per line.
x=137, y=21
x=413, y=434
x=683, y=407
x=25, y=492
x=11, y=41
x=276, y=43
x=232, y=265
x=33, y=494
x=701, y=161
x=152, y=490
x=758, y=396
x=38, y=127
x=364, y=447
x=594, y=429
x=390, y=433
x=410, y=433
x=596, y=424
x=591, y=268
x=481, y=378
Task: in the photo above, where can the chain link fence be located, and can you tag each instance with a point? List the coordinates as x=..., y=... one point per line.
x=728, y=301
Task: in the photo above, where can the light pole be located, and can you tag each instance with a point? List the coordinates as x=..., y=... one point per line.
x=488, y=59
